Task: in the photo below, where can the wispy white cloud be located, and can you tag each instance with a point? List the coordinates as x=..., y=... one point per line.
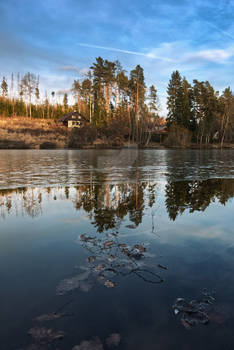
x=69, y=69
x=137, y=53
x=211, y=55
x=183, y=52
x=84, y=71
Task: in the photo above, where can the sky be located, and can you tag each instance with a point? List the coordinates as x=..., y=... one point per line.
x=60, y=39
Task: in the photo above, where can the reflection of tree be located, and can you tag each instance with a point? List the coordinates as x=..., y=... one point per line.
x=107, y=204
x=21, y=201
x=196, y=195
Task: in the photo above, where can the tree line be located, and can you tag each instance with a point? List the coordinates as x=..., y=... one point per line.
x=111, y=98
x=200, y=110
x=107, y=94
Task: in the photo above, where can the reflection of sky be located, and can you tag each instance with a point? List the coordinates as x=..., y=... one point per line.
x=38, y=245
x=39, y=251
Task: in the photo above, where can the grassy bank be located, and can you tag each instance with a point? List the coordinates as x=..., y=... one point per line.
x=21, y=132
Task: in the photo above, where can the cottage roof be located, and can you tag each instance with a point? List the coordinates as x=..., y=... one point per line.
x=70, y=116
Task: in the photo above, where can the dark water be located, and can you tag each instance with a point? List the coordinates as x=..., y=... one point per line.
x=67, y=215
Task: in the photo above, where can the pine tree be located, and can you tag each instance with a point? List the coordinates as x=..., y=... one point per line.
x=187, y=116
x=98, y=72
x=65, y=102
x=137, y=95
x=175, y=99
x=227, y=112
x=153, y=100
x=4, y=87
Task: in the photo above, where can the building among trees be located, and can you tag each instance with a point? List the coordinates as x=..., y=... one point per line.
x=74, y=120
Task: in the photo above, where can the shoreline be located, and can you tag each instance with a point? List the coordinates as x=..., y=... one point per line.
x=20, y=145
x=26, y=133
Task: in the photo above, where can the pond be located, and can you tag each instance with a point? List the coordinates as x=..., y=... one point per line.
x=96, y=247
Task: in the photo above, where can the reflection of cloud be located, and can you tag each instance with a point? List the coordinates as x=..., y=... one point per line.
x=62, y=92
x=76, y=219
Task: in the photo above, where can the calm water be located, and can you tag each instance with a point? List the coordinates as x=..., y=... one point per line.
x=109, y=240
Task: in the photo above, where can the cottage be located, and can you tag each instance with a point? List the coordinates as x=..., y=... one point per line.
x=74, y=120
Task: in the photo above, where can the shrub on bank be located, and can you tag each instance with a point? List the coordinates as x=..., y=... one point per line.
x=178, y=136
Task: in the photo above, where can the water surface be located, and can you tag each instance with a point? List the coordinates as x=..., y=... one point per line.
x=64, y=214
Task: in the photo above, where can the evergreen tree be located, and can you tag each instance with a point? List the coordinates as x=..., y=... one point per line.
x=4, y=87
x=227, y=112
x=137, y=96
x=187, y=118
x=153, y=100
x=65, y=102
x=175, y=99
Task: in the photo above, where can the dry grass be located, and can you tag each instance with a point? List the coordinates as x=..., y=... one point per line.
x=22, y=132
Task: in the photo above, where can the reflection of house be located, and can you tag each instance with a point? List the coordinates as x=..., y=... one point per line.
x=74, y=120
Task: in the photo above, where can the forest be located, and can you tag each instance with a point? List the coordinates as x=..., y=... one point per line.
x=118, y=104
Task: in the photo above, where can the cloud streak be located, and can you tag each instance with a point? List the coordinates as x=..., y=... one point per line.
x=137, y=53
x=69, y=69
x=227, y=34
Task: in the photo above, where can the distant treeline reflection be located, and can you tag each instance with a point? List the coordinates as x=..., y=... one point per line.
x=196, y=195
x=107, y=205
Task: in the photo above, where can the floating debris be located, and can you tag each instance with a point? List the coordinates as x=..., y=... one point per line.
x=99, y=267
x=181, y=305
x=113, y=340
x=140, y=247
x=131, y=226
x=44, y=335
x=111, y=258
x=85, y=238
x=94, y=344
x=136, y=256
x=108, y=244
x=91, y=259
x=109, y=284
x=70, y=284
x=115, y=234
x=194, y=312
x=123, y=245
x=162, y=267
x=126, y=251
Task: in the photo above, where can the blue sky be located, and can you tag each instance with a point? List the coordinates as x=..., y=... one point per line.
x=59, y=39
